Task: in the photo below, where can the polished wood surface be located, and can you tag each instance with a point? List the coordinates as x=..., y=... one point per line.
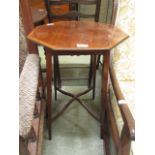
x=78, y=38
x=49, y=89
x=77, y=35
x=104, y=89
x=70, y=10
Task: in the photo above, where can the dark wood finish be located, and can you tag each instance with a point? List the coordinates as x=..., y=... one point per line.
x=125, y=145
x=59, y=9
x=56, y=9
x=122, y=143
x=124, y=109
x=113, y=129
x=41, y=128
x=57, y=76
x=97, y=11
x=104, y=89
x=90, y=72
x=33, y=14
x=100, y=38
x=98, y=61
x=28, y=23
x=75, y=97
x=57, y=2
x=106, y=135
x=49, y=90
x=94, y=74
x=56, y=12
x=72, y=12
x=65, y=36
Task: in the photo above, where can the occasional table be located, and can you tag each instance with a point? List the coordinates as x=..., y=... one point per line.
x=77, y=38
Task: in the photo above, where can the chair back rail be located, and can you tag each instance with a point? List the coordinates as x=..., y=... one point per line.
x=73, y=14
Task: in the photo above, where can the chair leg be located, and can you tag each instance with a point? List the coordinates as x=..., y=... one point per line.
x=98, y=61
x=94, y=75
x=58, y=71
x=90, y=72
x=55, y=78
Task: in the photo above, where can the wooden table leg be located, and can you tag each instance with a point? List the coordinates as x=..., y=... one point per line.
x=94, y=75
x=104, y=89
x=49, y=90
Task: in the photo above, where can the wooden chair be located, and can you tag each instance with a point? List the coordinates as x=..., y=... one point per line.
x=31, y=102
x=115, y=142
x=111, y=21
x=73, y=13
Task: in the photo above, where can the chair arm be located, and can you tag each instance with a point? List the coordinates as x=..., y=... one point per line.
x=28, y=83
x=122, y=104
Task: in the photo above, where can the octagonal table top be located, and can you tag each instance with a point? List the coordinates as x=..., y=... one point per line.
x=77, y=35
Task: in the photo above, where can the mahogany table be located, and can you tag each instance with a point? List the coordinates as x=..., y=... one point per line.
x=77, y=38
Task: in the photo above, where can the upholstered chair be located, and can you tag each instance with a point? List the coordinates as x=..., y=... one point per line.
x=28, y=86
